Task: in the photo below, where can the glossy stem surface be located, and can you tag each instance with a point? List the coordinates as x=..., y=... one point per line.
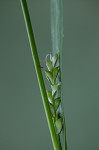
x=39, y=74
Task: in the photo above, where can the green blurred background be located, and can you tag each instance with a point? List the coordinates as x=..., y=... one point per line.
x=23, y=125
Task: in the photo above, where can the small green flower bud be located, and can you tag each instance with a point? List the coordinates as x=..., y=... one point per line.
x=59, y=125
x=55, y=72
x=52, y=110
x=54, y=59
x=57, y=103
x=50, y=97
x=55, y=87
x=49, y=76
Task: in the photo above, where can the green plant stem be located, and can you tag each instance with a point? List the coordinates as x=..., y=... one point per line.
x=39, y=74
x=57, y=42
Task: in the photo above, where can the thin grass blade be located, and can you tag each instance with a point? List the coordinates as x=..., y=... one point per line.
x=57, y=42
x=56, y=25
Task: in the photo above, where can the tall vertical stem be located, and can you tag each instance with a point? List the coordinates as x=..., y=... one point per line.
x=57, y=41
x=39, y=74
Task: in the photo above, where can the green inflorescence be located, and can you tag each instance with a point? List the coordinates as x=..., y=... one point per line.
x=52, y=74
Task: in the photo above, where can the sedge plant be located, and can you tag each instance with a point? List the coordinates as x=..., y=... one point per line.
x=52, y=98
